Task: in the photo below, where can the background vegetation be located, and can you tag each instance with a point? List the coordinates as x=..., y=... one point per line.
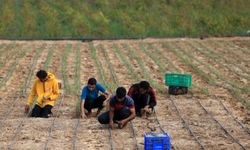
x=123, y=18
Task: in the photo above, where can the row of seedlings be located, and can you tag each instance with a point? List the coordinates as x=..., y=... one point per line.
x=12, y=67
x=92, y=125
x=213, y=82
x=211, y=56
x=163, y=92
x=23, y=80
x=25, y=85
x=136, y=77
x=76, y=90
x=164, y=65
x=173, y=101
x=231, y=55
x=243, y=45
x=64, y=91
x=208, y=53
x=189, y=62
x=101, y=75
x=8, y=53
x=116, y=82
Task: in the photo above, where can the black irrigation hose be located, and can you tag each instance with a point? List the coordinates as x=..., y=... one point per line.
x=222, y=127
x=186, y=124
x=110, y=139
x=71, y=39
x=63, y=67
x=89, y=39
x=53, y=123
x=12, y=48
x=75, y=133
x=225, y=108
x=206, y=112
x=116, y=82
x=102, y=76
x=226, y=131
x=77, y=82
x=18, y=129
x=20, y=95
x=39, y=50
x=13, y=66
x=154, y=111
x=161, y=128
x=232, y=116
x=8, y=112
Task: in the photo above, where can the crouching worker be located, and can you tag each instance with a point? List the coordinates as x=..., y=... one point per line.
x=94, y=95
x=144, y=97
x=121, y=110
x=47, y=91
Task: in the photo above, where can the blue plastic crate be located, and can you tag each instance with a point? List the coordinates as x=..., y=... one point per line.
x=156, y=141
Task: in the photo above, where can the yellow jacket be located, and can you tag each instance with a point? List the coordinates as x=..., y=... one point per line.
x=48, y=89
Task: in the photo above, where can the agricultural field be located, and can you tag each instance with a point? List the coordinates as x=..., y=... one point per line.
x=214, y=115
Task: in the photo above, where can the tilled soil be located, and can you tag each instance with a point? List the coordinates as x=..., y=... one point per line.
x=209, y=117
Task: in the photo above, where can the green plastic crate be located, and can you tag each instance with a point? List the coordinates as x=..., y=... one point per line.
x=173, y=79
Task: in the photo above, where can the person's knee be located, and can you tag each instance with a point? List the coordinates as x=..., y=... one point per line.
x=102, y=97
x=103, y=119
x=46, y=111
x=34, y=114
x=88, y=107
x=99, y=103
x=36, y=111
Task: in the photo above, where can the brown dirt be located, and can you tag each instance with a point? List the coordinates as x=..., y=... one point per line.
x=65, y=129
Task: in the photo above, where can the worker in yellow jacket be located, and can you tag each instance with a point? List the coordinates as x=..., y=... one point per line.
x=47, y=91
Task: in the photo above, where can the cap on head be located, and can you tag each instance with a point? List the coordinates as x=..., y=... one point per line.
x=121, y=92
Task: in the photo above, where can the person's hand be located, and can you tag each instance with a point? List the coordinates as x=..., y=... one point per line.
x=111, y=124
x=121, y=123
x=83, y=115
x=98, y=112
x=39, y=101
x=44, y=100
x=86, y=111
x=147, y=109
x=27, y=108
x=144, y=112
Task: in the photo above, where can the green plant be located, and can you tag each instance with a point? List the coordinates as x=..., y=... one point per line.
x=64, y=62
x=11, y=47
x=77, y=84
x=13, y=66
x=187, y=59
x=143, y=69
x=122, y=19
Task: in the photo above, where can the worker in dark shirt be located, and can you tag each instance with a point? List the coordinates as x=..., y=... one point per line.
x=121, y=110
x=144, y=97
